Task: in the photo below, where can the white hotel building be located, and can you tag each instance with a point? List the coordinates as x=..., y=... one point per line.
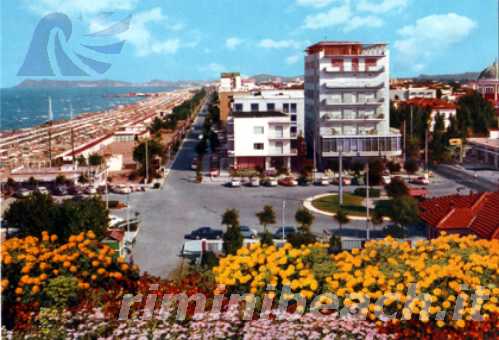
x=264, y=127
x=347, y=101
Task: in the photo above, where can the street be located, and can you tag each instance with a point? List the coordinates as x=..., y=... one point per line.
x=182, y=205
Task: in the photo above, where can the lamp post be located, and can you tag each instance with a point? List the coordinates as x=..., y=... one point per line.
x=283, y=210
x=368, y=231
x=340, y=150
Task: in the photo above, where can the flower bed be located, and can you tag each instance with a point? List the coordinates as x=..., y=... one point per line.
x=383, y=269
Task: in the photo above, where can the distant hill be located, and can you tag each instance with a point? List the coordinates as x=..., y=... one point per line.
x=259, y=78
x=450, y=77
x=50, y=83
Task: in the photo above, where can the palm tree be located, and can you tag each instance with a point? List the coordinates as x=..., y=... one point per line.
x=266, y=216
x=304, y=218
x=341, y=217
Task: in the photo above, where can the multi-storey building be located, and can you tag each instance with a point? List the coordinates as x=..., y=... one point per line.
x=347, y=107
x=264, y=128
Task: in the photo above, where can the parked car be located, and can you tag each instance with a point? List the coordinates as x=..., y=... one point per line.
x=204, y=232
x=121, y=189
x=288, y=230
x=194, y=164
x=386, y=180
x=288, y=182
x=234, y=183
x=75, y=190
x=61, y=190
x=303, y=181
x=42, y=190
x=22, y=193
x=248, y=232
x=115, y=220
x=270, y=182
x=345, y=181
x=322, y=181
x=90, y=190
x=421, y=181
x=254, y=182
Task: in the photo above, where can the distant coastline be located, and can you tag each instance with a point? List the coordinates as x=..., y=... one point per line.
x=51, y=83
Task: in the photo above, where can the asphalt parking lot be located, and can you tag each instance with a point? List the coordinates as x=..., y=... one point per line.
x=182, y=205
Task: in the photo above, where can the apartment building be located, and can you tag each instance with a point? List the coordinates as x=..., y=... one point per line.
x=410, y=92
x=347, y=107
x=264, y=127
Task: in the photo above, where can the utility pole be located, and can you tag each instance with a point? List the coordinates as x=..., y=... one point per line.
x=315, y=157
x=147, y=162
x=426, y=150
x=405, y=140
x=411, y=124
x=341, y=174
x=283, y=210
x=72, y=136
x=51, y=117
x=368, y=231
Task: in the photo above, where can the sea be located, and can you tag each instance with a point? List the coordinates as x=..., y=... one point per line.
x=27, y=107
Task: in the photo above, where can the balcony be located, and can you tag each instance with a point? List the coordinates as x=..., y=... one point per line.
x=358, y=117
x=284, y=152
x=366, y=102
x=363, y=85
x=370, y=69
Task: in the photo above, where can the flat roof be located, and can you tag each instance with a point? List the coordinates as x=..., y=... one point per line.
x=489, y=142
x=257, y=114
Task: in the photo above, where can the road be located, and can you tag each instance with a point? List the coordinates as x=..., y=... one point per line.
x=182, y=205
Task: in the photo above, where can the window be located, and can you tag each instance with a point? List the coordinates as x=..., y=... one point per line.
x=285, y=107
x=270, y=107
x=293, y=118
x=238, y=107
x=293, y=107
x=293, y=130
x=258, y=146
x=258, y=130
x=254, y=107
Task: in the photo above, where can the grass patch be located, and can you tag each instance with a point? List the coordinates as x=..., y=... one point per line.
x=351, y=204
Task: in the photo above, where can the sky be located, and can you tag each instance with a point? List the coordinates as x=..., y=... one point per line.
x=198, y=39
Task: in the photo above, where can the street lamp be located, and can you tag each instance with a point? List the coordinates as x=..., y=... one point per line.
x=368, y=231
x=340, y=150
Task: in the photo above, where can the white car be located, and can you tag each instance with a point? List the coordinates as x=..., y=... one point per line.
x=122, y=189
x=235, y=182
x=255, y=182
x=115, y=220
x=322, y=181
x=42, y=190
x=90, y=190
x=386, y=179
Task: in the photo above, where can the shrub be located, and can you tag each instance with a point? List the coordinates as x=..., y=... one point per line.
x=411, y=166
x=266, y=238
x=397, y=187
x=395, y=230
x=302, y=237
x=61, y=291
x=157, y=185
x=233, y=240
x=393, y=166
x=373, y=192
x=209, y=260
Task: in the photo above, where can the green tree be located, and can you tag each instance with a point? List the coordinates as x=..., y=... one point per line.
x=156, y=125
x=475, y=113
x=60, y=180
x=233, y=239
x=81, y=161
x=376, y=168
x=402, y=210
x=305, y=219
x=266, y=216
x=341, y=217
x=397, y=187
x=38, y=213
x=95, y=159
x=438, y=145
x=154, y=148
x=411, y=166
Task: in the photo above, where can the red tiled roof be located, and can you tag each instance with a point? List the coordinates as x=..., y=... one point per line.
x=477, y=212
x=434, y=103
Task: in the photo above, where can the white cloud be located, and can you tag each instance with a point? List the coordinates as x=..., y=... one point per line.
x=80, y=6
x=213, y=69
x=383, y=6
x=293, y=59
x=314, y=3
x=232, y=42
x=359, y=22
x=141, y=37
x=334, y=17
x=429, y=36
x=270, y=43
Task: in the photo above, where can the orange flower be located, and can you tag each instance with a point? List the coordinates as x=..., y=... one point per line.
x=53, y=237
x=101, y=271
x=90, y=234
x=73, y=269
x=66, y=264
x=95, y=263
x=35, y=289
x=19, y=291
x=124, y=267
x=93, y=277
